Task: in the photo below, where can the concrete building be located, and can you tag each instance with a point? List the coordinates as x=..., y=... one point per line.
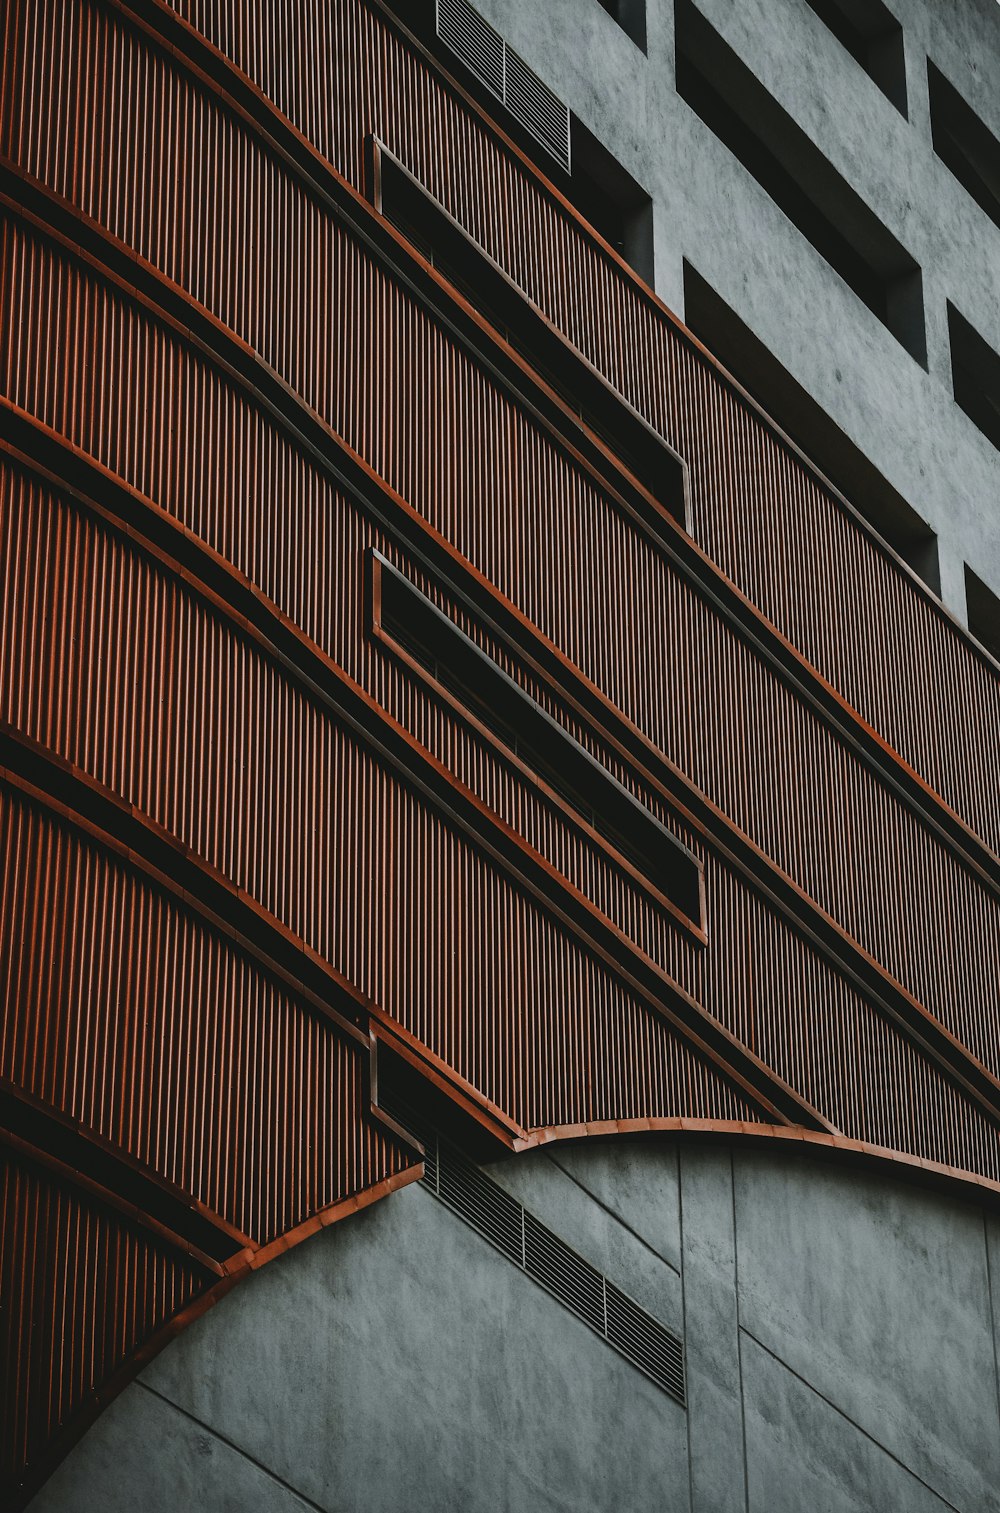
x=500, y=805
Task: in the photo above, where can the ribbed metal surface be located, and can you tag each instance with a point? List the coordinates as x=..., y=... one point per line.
x=206, y=736
x=529, y=100
x=760, y=978
x=80, y=1290
x=760, y=514
x=727, y=717
x=125, y=1009
x=169, y=1043
x=711, y=706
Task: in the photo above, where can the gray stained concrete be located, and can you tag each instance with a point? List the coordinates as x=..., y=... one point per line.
x=839, y=1328
x=711, y=212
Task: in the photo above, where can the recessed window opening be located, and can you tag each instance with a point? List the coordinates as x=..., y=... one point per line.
x=452, y=659
x=873, y=37
x=404, y=201
x=631, y=17
x=807, y=424
x=975, y=374
x=964, y=143
x=984, y=612
x=614, y=203
x=719, y=87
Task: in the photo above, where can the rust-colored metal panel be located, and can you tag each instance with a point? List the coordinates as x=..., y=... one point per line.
x=751, y=494
x=711, y=705
x=249, y=846
x=720, y=715
x=81, y=1289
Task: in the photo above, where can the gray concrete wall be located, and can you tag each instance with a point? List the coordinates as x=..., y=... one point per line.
x=710, y=211
x=840, y=1335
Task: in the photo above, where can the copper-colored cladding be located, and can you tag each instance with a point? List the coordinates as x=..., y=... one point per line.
x=245, y=841
x=819, y=575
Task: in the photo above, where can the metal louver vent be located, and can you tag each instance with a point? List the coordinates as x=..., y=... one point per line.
x=549, y=1261
x=506, y=74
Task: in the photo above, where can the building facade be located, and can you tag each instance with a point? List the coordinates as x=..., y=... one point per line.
x=500, y=818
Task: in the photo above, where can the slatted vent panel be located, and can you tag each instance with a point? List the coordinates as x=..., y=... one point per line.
x=506, y=74
x=549, y=1261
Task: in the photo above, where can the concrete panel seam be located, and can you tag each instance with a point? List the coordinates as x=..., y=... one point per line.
x=993, y=1313
x=647, y=1245
x=849, y=1420
x=739, y=1339
x=232, y=1445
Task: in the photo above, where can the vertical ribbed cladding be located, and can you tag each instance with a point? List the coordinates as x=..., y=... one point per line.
x=176, y=429
x=758, y=511
x=129, y=1014
x=81, y=1288
x=211, y=740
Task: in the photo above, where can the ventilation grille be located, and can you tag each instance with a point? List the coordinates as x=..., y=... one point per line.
x=506, y=74
x=549, y=1261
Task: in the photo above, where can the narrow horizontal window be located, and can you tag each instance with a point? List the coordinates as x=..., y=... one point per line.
x=975, y=375
x=873, y=37
x=546, y=1258
x=984, y=612
x=722, y=90
x=631, y=17
x=807, y=424
x=407, y=618
x=964, y=143
x=404, y=201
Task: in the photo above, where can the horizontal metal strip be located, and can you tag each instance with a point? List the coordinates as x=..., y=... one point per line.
x=232, y=596
x=664, y=868
x=662, y=314
x=41, y=1137
x=171, y=305
x=344, y=201
x=462, y=321
x=400, y=196
x=120, y=827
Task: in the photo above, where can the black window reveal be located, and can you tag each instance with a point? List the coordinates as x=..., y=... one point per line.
x=732, y=102
x=404, y=614
x=964, y=143
x=873, y=37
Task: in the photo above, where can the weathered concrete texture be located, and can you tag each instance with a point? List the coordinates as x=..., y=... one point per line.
x=711, y=1334
x=632, y=1255
x=841, y=1332
x=398, y=1363
x=880, y=1298
x=710, y=211
x=837, y=1468
x=146, y=1454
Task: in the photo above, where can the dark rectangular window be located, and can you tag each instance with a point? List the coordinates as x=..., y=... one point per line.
x=731, y=101
x=485, y=691
x=806, y=422
x=872, y=36
x=404, y=201
x=614, y=203
x=984, y=612
x=631, y=17
x=961, y=141
x=975, y=375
